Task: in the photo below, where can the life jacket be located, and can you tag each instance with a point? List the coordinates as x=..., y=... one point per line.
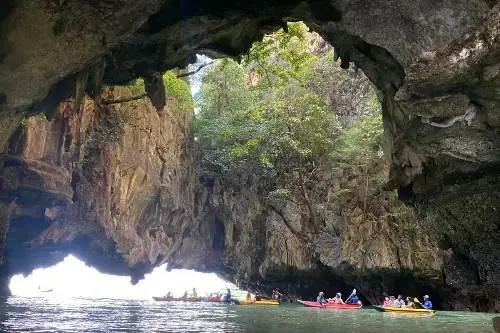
x=354, y=299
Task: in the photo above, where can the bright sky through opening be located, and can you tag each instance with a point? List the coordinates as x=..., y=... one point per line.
x=72, y=278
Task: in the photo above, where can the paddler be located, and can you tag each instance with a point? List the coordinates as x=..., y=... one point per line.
x=400, y=302
x=427, y=302
x=353, y=299
x=321, y=298
x=338, y=299
x=250, y=297
x=228, y=296
x=409, y=303
x=277, y=294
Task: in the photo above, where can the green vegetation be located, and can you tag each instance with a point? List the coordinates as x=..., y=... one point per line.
x=361, y=139
x=38, y=115
x=275, y=117
x=264, y=113
x=137, y=87
x=179, y=90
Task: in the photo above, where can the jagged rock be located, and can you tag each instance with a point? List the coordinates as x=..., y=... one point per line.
x=155, y=89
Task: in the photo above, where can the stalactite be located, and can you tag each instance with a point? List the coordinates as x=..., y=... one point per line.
x=97, y=78
x=155, y=89
x=81, y=81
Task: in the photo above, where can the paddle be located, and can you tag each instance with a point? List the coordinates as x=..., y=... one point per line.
x=418, y=304
x=348, y=298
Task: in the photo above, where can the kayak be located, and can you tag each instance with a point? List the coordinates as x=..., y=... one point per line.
x=330, y=305
x=214, y=299
x=176, y=299
x=403, y=310
x=263, y=302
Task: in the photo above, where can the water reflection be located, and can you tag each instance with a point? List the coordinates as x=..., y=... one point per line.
x=19, y=314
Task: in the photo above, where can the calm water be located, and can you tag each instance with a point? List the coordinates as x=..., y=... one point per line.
x=20, y=314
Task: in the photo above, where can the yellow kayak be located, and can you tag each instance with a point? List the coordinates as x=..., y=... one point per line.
x=403, y=310
x=263, y=302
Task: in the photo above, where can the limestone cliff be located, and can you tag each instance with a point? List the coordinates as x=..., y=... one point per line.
x=90, y=180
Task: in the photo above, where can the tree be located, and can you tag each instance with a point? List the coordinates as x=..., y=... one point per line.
x=273, y=116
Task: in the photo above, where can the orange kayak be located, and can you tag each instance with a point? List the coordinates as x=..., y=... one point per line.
x=403, y=310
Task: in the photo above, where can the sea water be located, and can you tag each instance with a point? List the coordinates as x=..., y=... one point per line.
x=53, y=314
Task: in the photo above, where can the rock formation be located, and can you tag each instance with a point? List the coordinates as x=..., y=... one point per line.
x=117, y=189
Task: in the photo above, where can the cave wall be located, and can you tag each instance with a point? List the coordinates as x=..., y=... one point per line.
x=84, y=182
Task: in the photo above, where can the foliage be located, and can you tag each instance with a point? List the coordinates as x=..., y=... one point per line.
x=281, y=58
x=179, y=90
x=109, y=129
x=176, y=88
x=275, y=122
x=137, y=87
x=275, y=116
x=361, y=139
x=38, y=115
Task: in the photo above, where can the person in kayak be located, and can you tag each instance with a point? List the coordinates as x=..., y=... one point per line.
x=387, y=301
x=321, y=298
x=195, y=294
x=228, y=295
x=250, y=297
x=427, y=302
x=277, y=294
x=409, y=303
x=353, y=299
x=400, y=303
x=338, y=299
x=394, y=302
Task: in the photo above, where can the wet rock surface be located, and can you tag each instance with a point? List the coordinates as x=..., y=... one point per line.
x=135, y=202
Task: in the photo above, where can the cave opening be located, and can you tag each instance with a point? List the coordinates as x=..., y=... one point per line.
x=73, y=278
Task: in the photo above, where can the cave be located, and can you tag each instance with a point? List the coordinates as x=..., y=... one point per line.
x=436, y=70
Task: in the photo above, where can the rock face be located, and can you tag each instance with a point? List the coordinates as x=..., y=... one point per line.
x=436, y=66
x=116, y=184
x=86, y=180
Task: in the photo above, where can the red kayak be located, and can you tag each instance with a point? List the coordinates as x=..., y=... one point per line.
x=330, y=305
x=177, y=299
x=214, y=299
